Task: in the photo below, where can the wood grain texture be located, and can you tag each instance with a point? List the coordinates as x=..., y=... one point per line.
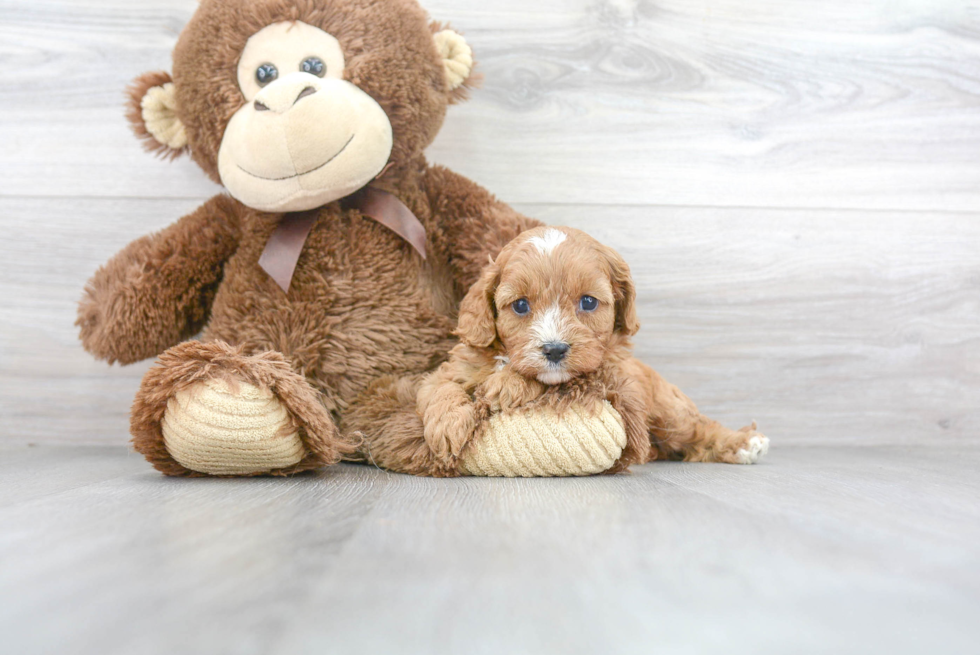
x=795, y=185
x=858, y=104
x=816, y=550
x=821, y=325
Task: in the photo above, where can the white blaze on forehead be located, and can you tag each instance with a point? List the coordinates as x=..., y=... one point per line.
x=550, y=326
x=547, y=242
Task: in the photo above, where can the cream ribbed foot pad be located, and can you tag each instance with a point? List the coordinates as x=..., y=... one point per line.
x=542, y=444
x=213, y=427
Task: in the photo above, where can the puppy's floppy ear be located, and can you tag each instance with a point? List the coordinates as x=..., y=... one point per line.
x=624, y=292
x=477, y=316
x=457, y=60
x=152, y=112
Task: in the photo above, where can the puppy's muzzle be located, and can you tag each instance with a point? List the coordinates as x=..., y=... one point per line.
x=555, y=351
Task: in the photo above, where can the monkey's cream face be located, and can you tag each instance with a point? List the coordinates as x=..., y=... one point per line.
x=304, y=136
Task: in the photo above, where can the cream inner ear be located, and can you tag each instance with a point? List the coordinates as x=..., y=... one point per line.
x=457, y=57
x=160, y=116
x=286, y=46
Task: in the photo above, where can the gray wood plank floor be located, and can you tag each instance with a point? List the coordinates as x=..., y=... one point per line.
x=817, y=550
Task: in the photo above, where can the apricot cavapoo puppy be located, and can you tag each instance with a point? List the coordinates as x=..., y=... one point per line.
x=550, y=322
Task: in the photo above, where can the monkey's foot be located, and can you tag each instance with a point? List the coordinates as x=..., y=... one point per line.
x=208, y=409
x=225, y=427
x=542, y=443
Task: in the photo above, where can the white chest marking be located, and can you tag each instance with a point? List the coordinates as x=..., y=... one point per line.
x=550, y=240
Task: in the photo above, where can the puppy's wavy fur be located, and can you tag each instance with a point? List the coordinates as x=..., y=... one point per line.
x=557, y=286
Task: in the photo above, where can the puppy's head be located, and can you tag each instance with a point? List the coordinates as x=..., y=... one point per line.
x=552, y=303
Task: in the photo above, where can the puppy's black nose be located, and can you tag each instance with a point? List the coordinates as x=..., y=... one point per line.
x=555, y=351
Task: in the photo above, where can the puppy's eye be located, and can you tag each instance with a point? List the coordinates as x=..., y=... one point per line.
x=588, y=303
x=313, y=66
x=265, y=74
x=521, y=307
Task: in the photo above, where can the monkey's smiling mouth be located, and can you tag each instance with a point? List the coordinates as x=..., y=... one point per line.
x=289, y=177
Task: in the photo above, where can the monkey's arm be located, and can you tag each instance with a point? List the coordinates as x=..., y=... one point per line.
x=473, y=224
x=157, y=291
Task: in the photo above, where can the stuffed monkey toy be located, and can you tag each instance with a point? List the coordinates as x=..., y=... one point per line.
x=326, y=282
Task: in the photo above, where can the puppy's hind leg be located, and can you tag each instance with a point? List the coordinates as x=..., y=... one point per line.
x=679, y=431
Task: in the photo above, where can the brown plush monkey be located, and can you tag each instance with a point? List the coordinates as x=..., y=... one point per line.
x=327, y=281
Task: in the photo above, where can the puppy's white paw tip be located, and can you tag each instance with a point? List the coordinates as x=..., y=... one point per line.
x=757, y=447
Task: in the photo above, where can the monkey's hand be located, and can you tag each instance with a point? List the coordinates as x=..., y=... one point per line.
x=158, y=290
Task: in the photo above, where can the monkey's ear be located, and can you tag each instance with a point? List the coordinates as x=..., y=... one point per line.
x=477, y=325
x=152, y=112
x=457, y=59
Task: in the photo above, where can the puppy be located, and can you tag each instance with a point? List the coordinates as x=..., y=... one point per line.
x=549, y=322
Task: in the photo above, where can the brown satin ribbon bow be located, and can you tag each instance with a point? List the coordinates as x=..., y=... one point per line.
x=282, y=251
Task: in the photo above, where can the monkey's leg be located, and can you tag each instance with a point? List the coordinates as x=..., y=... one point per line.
x=209, y=409
x=679, y=431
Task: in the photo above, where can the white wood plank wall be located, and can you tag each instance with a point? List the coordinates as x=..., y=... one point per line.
x=796, y=185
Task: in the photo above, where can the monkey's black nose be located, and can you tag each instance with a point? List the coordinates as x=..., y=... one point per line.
x=555, y=351
x=308, y=91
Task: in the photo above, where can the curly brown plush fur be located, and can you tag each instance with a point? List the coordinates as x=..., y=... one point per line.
x=191, y=362
x=364, y=310
x=344, y=351
x=501, y=365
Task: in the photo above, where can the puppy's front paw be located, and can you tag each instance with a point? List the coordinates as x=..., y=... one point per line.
x=506, y=390
x=753, y=450
x=448, y=432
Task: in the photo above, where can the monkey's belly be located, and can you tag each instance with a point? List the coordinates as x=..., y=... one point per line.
x=339, y=340
x=543, y=444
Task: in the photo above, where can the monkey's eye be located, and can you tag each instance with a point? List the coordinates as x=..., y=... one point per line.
x=588, y=303
x=265, y=74
x=313, y=66
x=521, y=307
